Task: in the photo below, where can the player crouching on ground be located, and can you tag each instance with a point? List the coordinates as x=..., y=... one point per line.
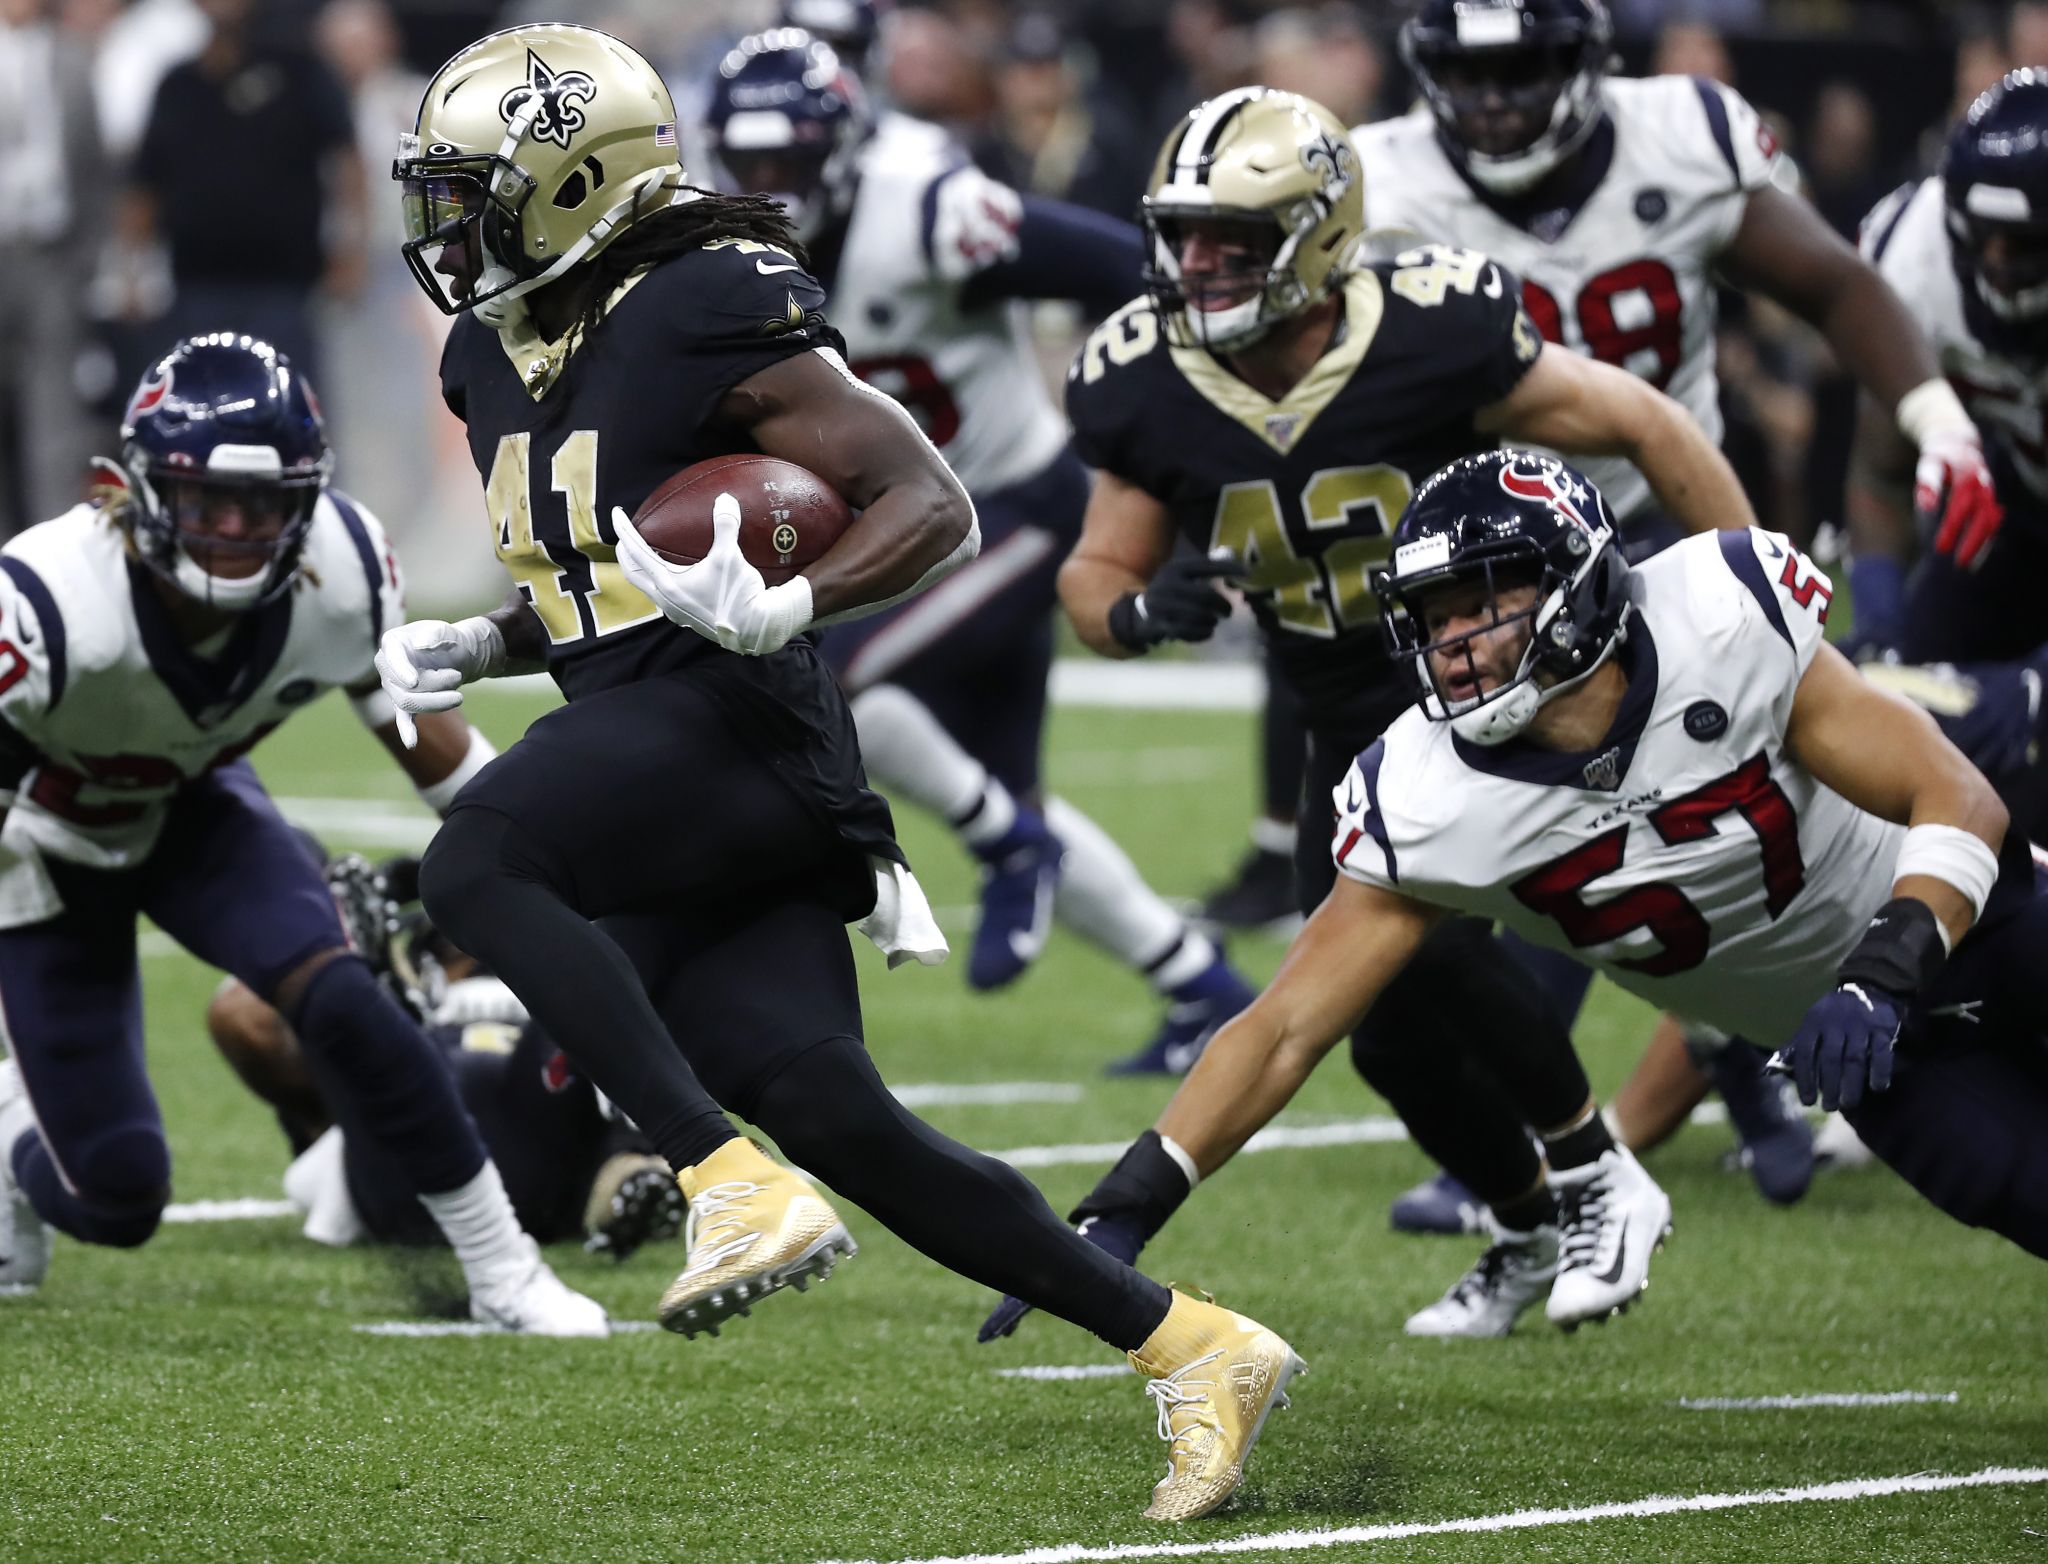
x=1667, y=770
x=573, y=1166
x=148, y=641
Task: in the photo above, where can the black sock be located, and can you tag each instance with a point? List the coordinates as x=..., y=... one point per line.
x=831, y=1115
x=1527, y=1212
x=1581, y=1143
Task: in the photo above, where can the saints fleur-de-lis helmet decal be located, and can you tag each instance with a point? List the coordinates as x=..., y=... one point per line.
x=1271, y=176
x=534, y=148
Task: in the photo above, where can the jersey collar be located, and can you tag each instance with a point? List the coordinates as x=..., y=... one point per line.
x=1601, y=769
x=1281, y=424
x=538, y=362
x=1554, y=205
x=208, y=689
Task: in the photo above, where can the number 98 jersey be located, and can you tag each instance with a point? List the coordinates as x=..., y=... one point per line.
x=1619, y=265
x=1307, y=490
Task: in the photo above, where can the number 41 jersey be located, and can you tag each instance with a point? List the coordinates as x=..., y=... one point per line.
x=1307, y=490
x=1690, y=857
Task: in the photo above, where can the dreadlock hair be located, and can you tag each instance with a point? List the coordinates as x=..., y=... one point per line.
x=675, y=230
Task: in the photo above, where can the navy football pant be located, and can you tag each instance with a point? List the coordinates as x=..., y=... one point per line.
x=232, y=884
x=1464, y=1044
x=977, y=648
x=1994, y=613
x=1965, y=1121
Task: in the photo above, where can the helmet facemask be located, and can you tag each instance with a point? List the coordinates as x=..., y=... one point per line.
x=465, y=209
x=814, y=180
x=202, y=531
x=2007, y=260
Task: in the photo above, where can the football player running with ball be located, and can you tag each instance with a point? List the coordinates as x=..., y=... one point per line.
x=1274, y=402
x=1665, y=769
x=923, y=258
x=663, y=868
x=148, y=641
x=1623, y=205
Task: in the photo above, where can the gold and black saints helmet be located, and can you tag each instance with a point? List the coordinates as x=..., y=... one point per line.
x=535, y=147
x=1272, y=180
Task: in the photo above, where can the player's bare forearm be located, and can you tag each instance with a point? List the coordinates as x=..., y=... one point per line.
x=1786, y=251
x=915, y=517
x=1584, y=408
x=444, y=740
x=1125, y=537
x=1353, y=946
x=1885, y=755
x=1879, y=493
x=526, y=639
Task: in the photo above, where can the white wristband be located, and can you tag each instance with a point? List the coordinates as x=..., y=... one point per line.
x=440, y=796
x=1930, y=409
x=1953, y=856
x=1181, y=1159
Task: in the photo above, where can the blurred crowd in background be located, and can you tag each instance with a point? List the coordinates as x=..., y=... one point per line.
x=175, y=166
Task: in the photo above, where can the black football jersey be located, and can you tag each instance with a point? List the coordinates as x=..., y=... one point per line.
x=562, y=432
x=1307, y=490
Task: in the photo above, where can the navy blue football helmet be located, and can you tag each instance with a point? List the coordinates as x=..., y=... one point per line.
x=223, y=456
x=1484, y=526
x=849, y=26
x=1994, y=177
x=787, y=119
x=1514, y=84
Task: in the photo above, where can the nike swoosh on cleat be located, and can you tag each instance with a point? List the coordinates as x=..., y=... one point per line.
x=1613, y=1273
x=769, y=271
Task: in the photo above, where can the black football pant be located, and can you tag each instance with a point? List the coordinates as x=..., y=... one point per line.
x=666, y=906
x=1465, y=1044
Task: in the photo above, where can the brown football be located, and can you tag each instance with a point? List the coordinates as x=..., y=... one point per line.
x=788, y=515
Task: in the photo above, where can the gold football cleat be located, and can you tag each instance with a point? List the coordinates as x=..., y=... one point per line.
x=1215, y=1376
x=755, y=1228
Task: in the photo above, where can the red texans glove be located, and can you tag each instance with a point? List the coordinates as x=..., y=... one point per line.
x=1952, y=487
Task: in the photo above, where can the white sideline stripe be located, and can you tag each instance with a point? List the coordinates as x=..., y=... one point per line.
x=1066, y=1371
x=426, y=1328
x=990, y=1094
x=1516, y=1520
x=375, y=822
x=245, y=1210
x=1346, y=1132
x=1076, y=681
x=1886, y=1398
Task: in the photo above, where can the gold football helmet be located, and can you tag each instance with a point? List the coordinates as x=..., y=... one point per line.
x=1261, y=189
x=535, y=148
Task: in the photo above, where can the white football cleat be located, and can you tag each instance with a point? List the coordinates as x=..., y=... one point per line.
x=24, y=1237
x=1513, y=1275
x=529, y=1298
x=1614, y=1217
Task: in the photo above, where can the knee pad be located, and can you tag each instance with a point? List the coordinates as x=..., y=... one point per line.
x=123, y=1179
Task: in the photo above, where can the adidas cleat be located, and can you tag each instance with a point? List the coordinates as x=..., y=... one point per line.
x=1512, y=1276
x=755, y=1227
x=1613, y=1218
x=1215, y=1378
x=634, y=1200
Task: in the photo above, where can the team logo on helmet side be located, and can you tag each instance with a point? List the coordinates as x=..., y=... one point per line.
x=1549, y=483
x=560, y=98
x=149, y=395
x=1333, y=162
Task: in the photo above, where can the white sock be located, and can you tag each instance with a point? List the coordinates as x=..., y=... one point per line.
x=478, y=1223
x=1104, y=899
x=911, y=754
x=1273, y=836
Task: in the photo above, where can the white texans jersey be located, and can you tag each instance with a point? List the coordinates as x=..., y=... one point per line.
x=1906, y=238
x=1691, y=858
x=119, y=713
x=1625, y=274
x=924, y=223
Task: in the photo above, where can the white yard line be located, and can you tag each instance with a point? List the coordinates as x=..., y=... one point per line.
x=987, y=1094
x=245, y=1210
x=1051, y=1371
x=1886, y=1398
x=431, y=1328
x=1346, y=1132
x=1514, y=1520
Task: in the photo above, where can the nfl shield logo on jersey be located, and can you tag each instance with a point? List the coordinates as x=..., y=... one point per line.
x=1604, y=770
x=1281, y=429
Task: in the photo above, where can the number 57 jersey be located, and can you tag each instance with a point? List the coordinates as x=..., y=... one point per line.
x=1690, y=857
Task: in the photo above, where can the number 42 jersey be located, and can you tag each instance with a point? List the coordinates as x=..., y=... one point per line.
x=1690, y=857
x=1307, y=490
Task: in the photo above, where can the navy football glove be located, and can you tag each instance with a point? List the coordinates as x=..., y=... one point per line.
x=1120, y=1236
x=1180, y=604
x=1846, y=1043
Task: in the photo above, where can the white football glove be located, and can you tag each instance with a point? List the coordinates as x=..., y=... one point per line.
x=425, y=664
x=722, y=597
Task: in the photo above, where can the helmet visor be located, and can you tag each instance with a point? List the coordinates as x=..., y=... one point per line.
x=461, y=218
